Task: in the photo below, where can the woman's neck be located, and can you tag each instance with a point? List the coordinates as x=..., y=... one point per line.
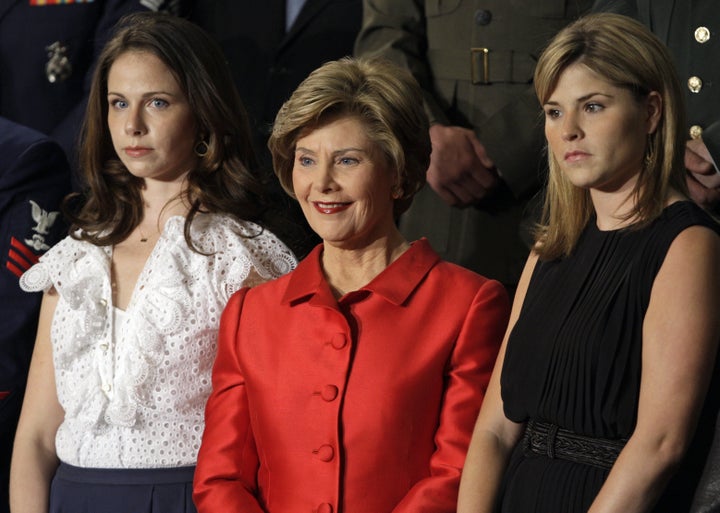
x=160, y=204
x=351, y=269
x=614, y=210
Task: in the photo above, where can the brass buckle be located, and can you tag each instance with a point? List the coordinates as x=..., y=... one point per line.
x=480, y=65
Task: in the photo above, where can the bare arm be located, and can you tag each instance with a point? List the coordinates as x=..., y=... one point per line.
x=34, y=458
x=494, y=436
x=680, y=338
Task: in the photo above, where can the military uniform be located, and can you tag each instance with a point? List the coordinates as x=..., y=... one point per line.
x=47, y=49
x=475, y=60
x=34, y=176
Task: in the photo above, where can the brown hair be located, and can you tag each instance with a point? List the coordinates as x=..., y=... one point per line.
x=112, y=204
x=384, y=97
x=626, y=54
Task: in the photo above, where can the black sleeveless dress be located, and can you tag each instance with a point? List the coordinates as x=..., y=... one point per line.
x=574, y=360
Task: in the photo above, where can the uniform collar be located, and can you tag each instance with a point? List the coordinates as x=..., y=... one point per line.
x=395, y=283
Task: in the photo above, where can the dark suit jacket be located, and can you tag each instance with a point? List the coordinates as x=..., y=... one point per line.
x=34, y=176
x=268, y=63
x=26, y=95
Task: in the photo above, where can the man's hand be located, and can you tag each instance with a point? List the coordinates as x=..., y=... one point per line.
x=460, y=171
x=703, y=180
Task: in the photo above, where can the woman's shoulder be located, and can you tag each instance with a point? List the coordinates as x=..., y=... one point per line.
x=62, y=260
x=230, y=239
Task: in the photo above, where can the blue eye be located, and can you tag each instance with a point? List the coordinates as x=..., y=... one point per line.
x=119, y=104
x=347, y=161
x=159, y=103
x=305, y=161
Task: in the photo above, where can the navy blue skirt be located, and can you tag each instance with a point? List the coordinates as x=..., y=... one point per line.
x=96, y=490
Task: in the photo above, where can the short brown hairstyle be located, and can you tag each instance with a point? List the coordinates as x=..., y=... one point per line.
x=384, y=97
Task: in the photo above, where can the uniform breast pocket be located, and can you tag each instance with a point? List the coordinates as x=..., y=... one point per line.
x=441, y=7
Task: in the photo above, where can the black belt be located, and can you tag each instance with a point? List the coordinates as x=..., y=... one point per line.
x=554, y=442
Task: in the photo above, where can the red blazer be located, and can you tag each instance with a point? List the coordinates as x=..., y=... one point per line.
x=363, y=404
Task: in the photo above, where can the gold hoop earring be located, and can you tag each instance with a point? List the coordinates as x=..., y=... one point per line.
x=201, y=149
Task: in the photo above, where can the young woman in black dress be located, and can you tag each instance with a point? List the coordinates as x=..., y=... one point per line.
x=598, y=401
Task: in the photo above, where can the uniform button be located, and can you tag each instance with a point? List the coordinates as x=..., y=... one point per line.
x=329, y=393
x=696, y=131
x=694, y=84
x=702, y=35
x=325, y=453
x=338, y=341
x=483, y=16
x=325, y=507
x=106, y=387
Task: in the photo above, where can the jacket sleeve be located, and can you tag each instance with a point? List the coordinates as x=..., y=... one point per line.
x=467, y=378
x=396, y=30
x=226, y=473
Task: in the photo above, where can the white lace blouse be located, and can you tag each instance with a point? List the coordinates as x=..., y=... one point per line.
x=134, y=393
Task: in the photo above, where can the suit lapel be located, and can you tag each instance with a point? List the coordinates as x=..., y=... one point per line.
x=307, y=13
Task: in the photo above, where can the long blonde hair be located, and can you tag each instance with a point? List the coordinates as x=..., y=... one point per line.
x=627, y=55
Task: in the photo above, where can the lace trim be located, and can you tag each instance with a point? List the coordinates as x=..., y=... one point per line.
x=170, y=291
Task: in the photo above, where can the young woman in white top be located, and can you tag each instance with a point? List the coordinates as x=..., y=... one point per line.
x=113, y=415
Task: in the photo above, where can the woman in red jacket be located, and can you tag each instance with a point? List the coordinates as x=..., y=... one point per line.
x=351, y=384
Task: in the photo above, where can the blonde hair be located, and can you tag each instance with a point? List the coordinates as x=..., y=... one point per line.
x=626, y=54
x=384, y=97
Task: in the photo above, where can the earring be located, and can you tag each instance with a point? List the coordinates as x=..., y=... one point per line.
x=649, y=152
x=201, y=149
x=397, y=192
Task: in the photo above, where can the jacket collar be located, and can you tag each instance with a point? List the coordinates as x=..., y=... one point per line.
x=395, y=283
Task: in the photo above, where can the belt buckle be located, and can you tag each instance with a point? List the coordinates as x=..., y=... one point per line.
x=480, y=65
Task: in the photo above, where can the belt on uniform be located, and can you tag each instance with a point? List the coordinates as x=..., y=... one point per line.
x=482, y=65
x=554, y=442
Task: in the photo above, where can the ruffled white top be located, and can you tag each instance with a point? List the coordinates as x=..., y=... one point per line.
x=134, y=383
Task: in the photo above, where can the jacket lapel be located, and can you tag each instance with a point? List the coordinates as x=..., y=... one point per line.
x=307, y=13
